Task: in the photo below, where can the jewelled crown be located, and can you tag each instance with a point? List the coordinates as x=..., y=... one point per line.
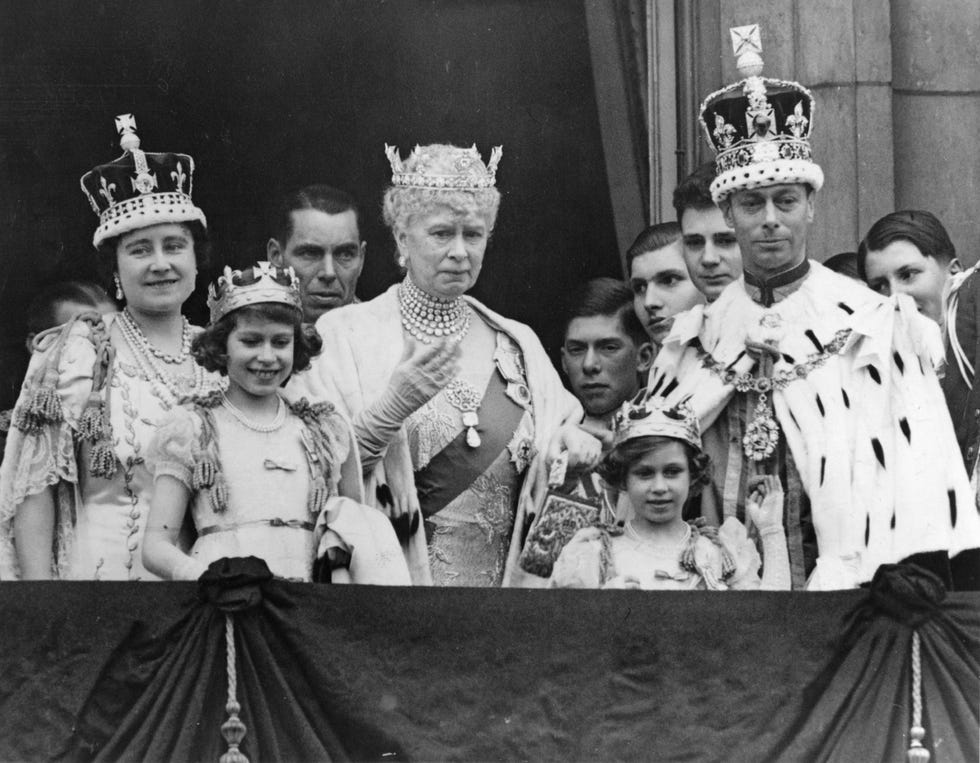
x=652, y=418
x=469, y=172
x=759, y=127
x=262, y=282
x=139, y=189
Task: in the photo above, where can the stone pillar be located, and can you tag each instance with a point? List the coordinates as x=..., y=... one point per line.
x=936, y=101
x=840, y=50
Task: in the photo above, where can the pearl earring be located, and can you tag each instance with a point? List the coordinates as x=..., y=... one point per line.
x=119, y=291
x=402, y=261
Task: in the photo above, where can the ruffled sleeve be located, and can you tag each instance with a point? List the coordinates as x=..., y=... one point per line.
x=580, y=563
x=40, y=450
x=175, y=447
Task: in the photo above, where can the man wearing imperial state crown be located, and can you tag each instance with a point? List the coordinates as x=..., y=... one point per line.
x=803, y=373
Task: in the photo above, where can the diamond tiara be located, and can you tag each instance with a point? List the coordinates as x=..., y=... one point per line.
x=470, y=173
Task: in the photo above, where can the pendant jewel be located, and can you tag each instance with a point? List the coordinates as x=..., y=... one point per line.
x=762, y=433
x=466, y=399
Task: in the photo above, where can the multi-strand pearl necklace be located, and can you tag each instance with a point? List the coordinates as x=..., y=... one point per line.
x=167, y=386
x=431, y=318
x=137, y=333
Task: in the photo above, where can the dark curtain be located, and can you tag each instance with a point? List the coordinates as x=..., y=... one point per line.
x=268, y=97
x=631, y=29
x=119, y=671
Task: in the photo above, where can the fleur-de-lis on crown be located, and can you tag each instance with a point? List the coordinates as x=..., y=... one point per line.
x=178, y=176
x=107, y=190
x=796, y=122
x=724, y=133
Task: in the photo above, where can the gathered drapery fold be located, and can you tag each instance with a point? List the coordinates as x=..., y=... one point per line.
x=129, y=671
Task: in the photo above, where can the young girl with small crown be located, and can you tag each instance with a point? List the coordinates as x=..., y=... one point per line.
x=657, y=460
x=261, y=476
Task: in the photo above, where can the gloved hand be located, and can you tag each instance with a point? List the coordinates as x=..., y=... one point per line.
x=423, y=370
x=765, y=502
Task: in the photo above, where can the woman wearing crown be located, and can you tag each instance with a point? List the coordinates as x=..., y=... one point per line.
x=74, y=487
x=657, y=461
x=259, y=476
x=450, y=401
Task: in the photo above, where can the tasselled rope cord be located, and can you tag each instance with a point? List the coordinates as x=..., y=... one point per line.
x=233, y=730
x=916, y=752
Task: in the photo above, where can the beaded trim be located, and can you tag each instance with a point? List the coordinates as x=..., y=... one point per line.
x=427, y=318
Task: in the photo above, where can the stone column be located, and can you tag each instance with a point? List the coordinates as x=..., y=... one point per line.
x=936, y=100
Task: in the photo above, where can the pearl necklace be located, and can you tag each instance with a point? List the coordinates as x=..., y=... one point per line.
x=662, y=546
x=166, y=386
x=427, y=318
x=278, y=420
x=136, y=333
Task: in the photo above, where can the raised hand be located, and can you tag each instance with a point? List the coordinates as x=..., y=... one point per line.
x=424, y=369
x=765, y=501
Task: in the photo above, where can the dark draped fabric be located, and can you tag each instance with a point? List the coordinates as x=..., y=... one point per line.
x=136, y=671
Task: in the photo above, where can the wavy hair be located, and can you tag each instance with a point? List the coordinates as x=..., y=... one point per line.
x=617, y=463
x=210, y=347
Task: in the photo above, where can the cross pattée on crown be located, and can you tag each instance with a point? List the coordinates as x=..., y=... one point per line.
x=125, y=123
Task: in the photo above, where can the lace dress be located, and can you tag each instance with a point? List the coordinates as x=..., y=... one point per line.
x=102, y=493
x=267, y=474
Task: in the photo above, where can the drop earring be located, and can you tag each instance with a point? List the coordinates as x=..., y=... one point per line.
x=119, y=291
x=402, y=262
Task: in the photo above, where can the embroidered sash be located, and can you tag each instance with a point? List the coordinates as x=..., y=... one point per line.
x=457, y=466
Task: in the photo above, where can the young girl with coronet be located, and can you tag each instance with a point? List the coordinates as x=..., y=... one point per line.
x=657, y=460
x=262, y=476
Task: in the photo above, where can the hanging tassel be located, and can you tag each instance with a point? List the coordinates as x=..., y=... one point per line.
x=318, y=496
x=219, y=496
x=42, y=407
x=102, y=459
x=233, y=730
x=916, y=752
x=204, y=474
x=91, y=424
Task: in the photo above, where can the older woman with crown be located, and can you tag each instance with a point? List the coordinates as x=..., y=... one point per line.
x=450, y=401
x=74, y=487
